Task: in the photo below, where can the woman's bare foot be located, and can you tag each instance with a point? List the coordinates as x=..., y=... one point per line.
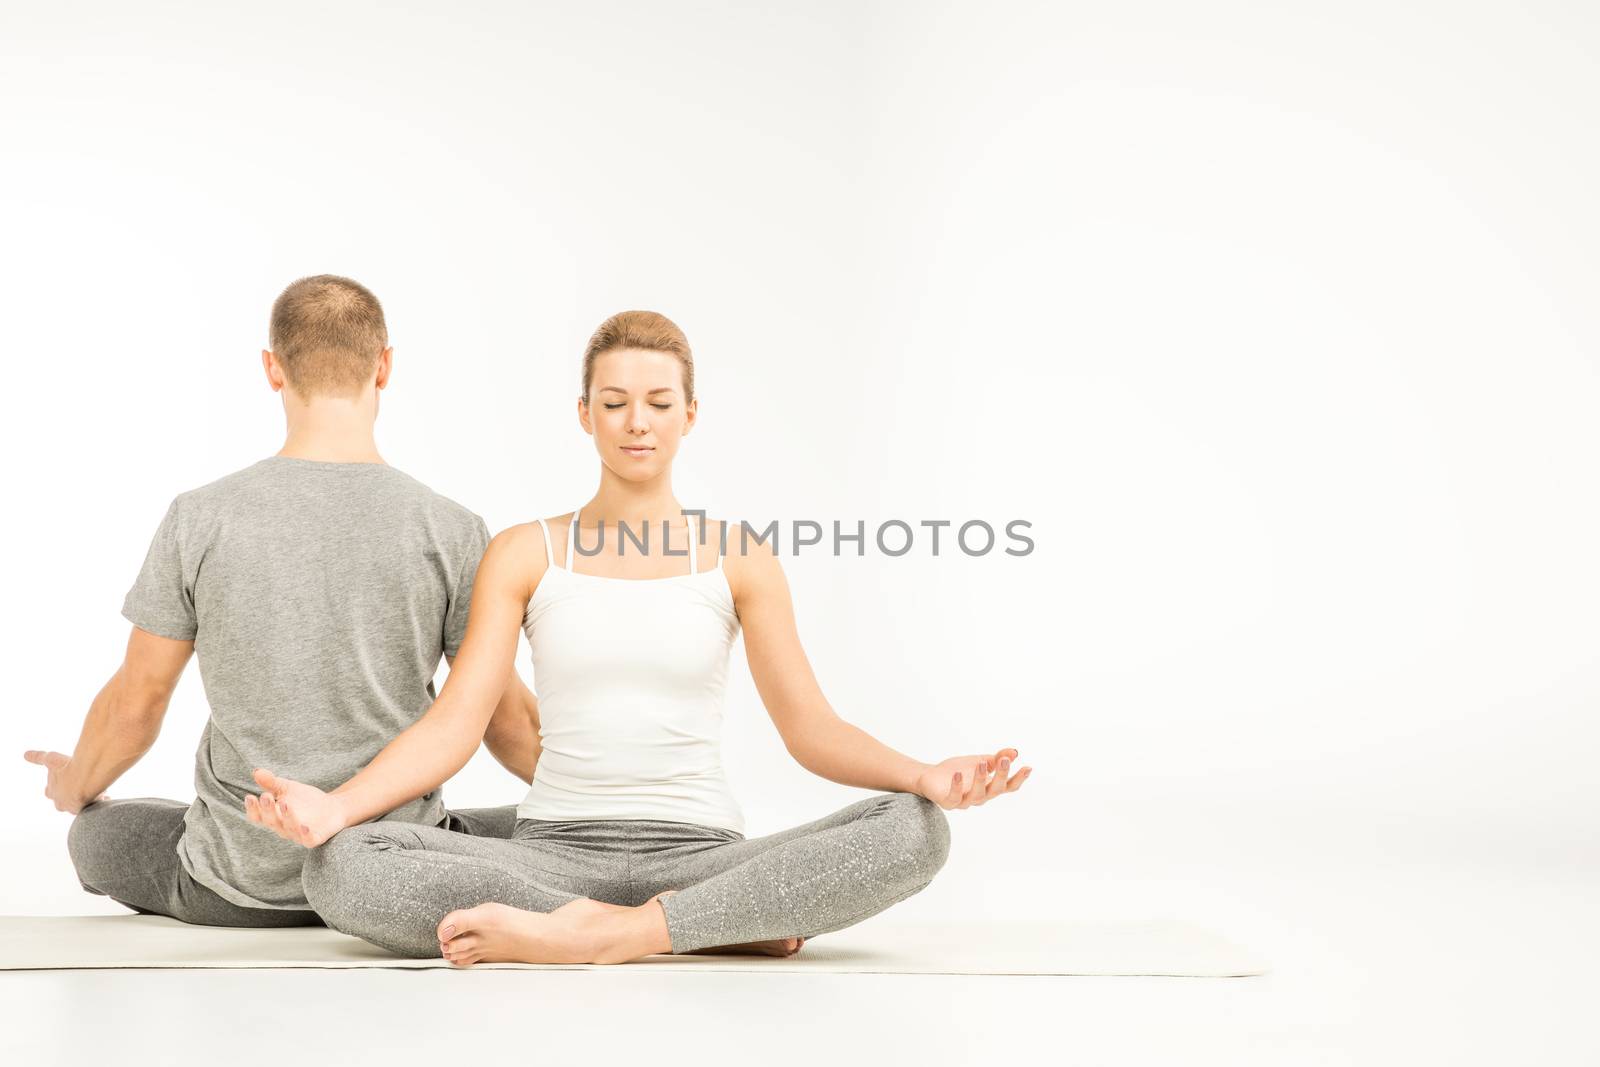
x=778, y=946
x=579, y=931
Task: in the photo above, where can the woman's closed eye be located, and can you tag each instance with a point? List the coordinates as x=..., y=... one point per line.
x=658, y=407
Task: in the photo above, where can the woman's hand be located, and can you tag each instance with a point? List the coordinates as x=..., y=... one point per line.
x=295, y=811
x=965, y=782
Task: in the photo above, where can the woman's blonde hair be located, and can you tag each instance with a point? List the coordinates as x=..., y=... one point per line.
x=648, y=330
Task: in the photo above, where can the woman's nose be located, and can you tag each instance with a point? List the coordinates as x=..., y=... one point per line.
x=637, y=423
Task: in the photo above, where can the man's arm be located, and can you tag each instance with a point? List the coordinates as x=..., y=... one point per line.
x=122, y=723
x=512, y=737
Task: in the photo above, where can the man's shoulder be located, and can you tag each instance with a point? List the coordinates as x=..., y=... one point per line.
x=217, y=491
x=403, y=499
x=444, y=505
x=441, y=508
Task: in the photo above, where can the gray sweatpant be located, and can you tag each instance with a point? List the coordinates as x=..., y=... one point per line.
x=127, y=849
x=391, y=882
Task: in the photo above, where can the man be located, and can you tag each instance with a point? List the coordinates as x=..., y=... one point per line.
x=318, y=587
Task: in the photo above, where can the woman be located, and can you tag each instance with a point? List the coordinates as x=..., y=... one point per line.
x=629, y=841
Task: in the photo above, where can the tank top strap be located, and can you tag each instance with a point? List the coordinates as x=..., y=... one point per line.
x=694, y=546
x=549, y=553
x=572, y=536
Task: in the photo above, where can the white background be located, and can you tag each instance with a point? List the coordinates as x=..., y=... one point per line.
x=1276, y=322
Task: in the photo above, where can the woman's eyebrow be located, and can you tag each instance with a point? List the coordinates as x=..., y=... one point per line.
x=624, y=392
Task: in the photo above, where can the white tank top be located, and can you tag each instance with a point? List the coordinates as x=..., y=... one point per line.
x=630, y=675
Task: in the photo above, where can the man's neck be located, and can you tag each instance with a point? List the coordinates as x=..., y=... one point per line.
x=330, y=430
x=331, y=452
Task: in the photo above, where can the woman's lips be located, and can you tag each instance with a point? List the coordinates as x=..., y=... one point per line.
x=639, y=451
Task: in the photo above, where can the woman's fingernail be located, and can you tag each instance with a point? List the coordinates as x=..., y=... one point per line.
x=449, y=932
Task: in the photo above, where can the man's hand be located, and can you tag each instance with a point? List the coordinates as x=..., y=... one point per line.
x=122, y=723
x=57, y=783
x=965, y=782
x=294, y=811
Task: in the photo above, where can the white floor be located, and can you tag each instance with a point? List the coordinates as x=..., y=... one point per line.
x=1406, y=966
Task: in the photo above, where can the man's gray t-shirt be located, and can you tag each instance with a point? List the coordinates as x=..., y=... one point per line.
x=320, y=597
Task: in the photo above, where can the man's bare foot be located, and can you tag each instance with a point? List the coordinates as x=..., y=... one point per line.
x=778, y=946
x=579, y=931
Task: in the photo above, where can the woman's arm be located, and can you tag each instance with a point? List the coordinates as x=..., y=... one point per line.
x=818, y=739
x=437, y=745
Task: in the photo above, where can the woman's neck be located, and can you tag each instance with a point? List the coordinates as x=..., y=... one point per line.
x=635, y=503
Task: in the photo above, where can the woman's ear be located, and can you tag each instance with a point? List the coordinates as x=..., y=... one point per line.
x=691, y=411
x=583, y=417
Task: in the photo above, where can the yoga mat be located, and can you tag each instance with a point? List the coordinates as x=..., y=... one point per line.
x=999, y=947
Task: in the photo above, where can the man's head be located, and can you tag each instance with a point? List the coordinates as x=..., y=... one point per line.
x=328, y=338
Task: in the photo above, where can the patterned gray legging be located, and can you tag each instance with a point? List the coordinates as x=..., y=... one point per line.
x=391, y=883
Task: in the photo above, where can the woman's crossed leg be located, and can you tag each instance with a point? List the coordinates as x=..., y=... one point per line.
x=391, y=882
x=702, y=893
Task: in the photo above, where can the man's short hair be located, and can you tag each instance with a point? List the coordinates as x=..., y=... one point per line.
x=328, y=333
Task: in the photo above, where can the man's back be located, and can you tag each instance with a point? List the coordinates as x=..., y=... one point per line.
x=320, y=597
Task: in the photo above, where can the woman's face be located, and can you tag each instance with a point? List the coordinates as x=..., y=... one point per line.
x=636, y=411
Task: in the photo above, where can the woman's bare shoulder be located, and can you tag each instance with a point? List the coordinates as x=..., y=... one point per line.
x=522, y=547
x=750, y=559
